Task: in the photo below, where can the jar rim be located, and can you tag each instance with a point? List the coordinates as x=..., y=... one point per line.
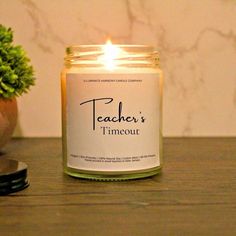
x=136, y=48
x=139, y=54
x=120, y=45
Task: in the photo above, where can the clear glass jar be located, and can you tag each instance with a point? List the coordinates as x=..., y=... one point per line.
x=111, y=112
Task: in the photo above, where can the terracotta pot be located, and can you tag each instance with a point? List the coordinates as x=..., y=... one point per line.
x=8, y=118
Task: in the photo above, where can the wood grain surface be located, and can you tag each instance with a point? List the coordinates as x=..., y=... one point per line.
x=194, y=195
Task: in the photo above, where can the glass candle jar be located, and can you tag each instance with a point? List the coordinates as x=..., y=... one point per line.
x=111, y=112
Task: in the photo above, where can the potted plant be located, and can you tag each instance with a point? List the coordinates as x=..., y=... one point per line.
x=16, y=76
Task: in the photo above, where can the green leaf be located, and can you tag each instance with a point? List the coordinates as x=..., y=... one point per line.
x=16, y=72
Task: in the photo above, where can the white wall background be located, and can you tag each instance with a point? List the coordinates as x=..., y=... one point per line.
x=196, y=40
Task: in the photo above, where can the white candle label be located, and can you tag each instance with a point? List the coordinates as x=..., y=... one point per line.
x=112, y=121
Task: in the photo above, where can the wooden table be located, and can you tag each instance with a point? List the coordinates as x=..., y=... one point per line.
x=195, y=194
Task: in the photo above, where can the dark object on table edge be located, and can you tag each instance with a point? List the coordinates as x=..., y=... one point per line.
x=13, y=176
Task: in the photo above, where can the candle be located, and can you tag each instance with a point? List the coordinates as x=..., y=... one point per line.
x=111, y=112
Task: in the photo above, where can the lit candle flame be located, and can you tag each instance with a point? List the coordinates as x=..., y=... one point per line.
x=110, y=54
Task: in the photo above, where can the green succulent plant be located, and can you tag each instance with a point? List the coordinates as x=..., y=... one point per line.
x=16, y=73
